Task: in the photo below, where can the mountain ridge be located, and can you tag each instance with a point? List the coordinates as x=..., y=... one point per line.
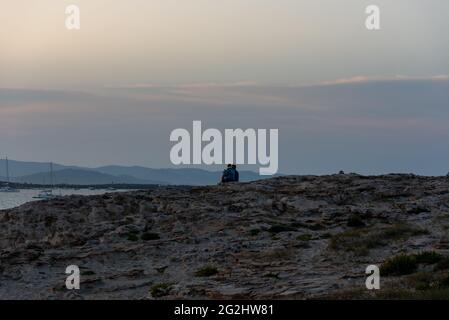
x=81, y=177
x=39, y=172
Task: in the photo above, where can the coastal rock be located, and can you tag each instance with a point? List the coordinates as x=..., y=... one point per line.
x=286, y=237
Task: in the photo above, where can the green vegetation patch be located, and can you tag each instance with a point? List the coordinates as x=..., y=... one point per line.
x=87, y=273
x=304, y=237
x=160, y=290
x=404, y=294
x=206, y=271
x=443, y=264
x=417, y=286
x=148, y=236
x=361, y=240
x=278, y=228
x=254, y=232
x=406, y=264
x=400, y=265
x=428, y=257
x=132, y=237
x=355, y=221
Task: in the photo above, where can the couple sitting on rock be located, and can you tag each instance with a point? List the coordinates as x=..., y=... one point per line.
x=230, y=174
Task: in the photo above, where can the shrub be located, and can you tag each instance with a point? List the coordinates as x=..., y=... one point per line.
x=316, y=227
x=361, y=240
x=254, y=232
x=160, y=290
x=404, y=294
x=132, y=237
x=443, y=264
x=281, y=228
x=304, y=237
x=271, y=275
x=206, y=271
x=428, y=257
x=422, y=281
x=150, y=236
x=400, y=265
x=402, y=231
x=406, y=264
x=444, y=283
x=355, y=221
x=87, y=273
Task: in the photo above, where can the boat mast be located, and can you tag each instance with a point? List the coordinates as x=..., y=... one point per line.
x=51, y=174
x=7, y=170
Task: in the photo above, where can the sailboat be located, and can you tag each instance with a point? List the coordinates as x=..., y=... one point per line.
x=47, y=194
x=7, y=188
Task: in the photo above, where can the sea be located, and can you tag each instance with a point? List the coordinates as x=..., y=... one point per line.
x=10, y=200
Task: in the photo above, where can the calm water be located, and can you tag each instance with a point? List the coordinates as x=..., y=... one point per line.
x=15, y=199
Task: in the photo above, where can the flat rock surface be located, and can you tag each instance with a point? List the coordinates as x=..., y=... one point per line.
x=293, y=237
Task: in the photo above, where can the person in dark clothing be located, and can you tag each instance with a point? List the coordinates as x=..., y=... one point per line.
x=236, y=173
x=228, y=174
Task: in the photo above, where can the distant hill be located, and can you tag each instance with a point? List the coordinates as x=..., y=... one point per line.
x=23, y=168
x=81, y=177
x=175, y=176
x=39, y=173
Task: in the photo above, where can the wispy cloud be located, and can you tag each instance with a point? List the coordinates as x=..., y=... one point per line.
x=248, y=84
x=366, y=79
x=186, y=85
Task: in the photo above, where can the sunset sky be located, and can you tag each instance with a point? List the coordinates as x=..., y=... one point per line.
x=340, y=95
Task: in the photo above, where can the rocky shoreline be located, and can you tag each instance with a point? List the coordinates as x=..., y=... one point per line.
x=294, y=237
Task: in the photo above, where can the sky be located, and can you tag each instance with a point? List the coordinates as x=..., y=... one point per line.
x=341, y=96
